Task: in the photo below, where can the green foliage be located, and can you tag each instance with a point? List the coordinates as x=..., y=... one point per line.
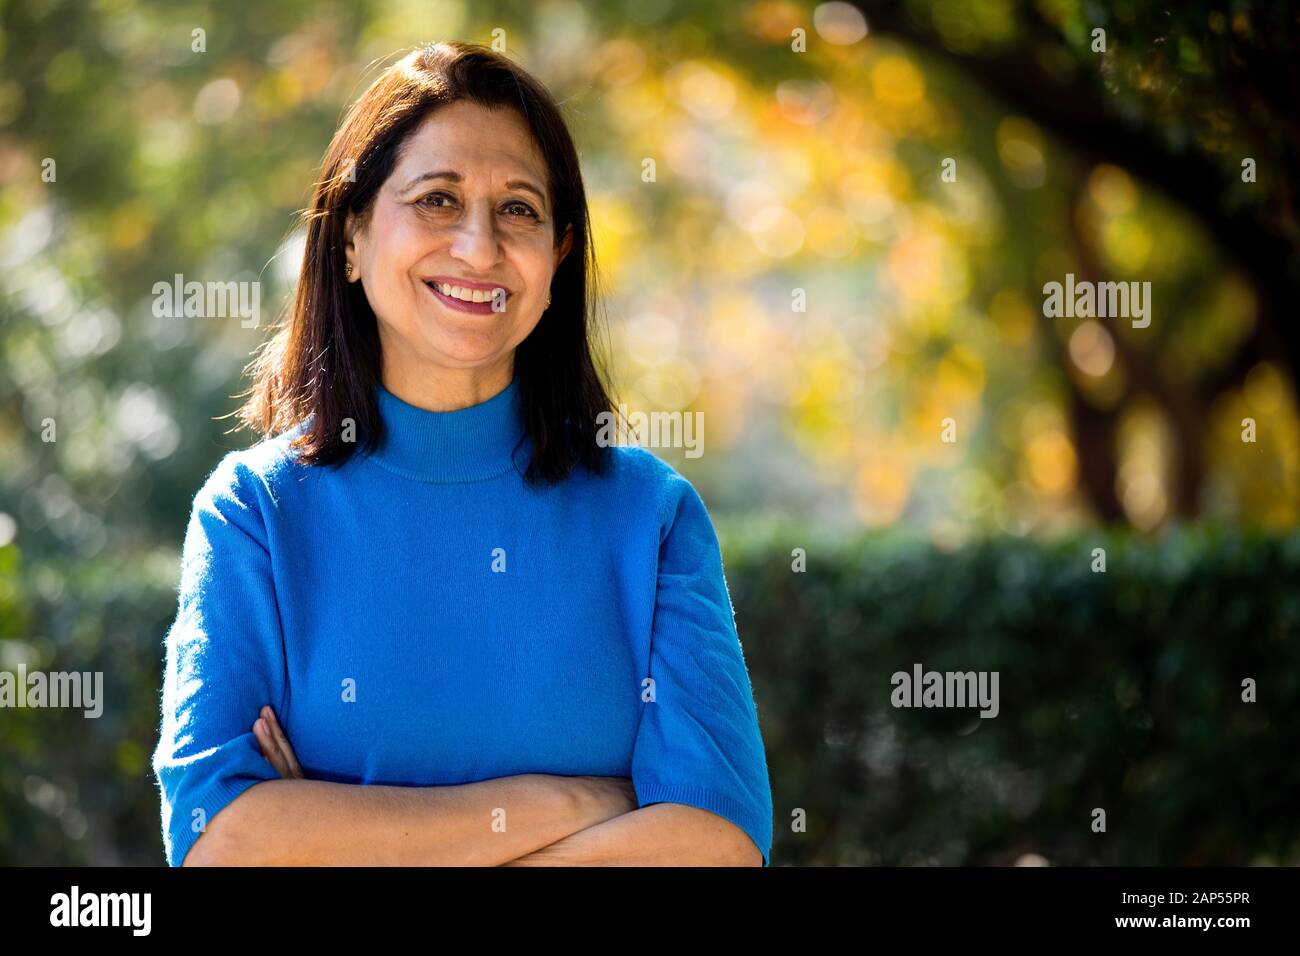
x=76, y=790
x=1119, y=690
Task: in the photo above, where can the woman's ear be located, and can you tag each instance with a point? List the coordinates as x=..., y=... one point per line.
x=564, y=244
x=349, y=247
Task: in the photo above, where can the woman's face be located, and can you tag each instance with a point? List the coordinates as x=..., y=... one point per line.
x=467, y=200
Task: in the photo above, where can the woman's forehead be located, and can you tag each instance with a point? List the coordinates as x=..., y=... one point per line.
x=474, y=142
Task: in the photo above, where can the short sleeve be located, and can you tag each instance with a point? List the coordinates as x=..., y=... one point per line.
x=224, y=660
x=699, y=741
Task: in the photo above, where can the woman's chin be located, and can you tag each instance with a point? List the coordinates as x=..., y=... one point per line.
x=467, y=348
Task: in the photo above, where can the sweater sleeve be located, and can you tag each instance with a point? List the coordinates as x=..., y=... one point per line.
x=224, y=660
x=699, y=741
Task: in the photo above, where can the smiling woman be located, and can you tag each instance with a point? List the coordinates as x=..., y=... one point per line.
x=431, y=618
x=477, y=209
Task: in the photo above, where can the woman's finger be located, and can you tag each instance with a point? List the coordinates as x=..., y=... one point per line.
x=283, y=740
x=270, y=749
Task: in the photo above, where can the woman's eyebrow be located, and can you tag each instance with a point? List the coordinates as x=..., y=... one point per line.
x=452, y=176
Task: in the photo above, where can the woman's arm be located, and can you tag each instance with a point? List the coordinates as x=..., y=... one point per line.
x=698, y=746
x=297, y=822
x=665, y=834
x=698, y=760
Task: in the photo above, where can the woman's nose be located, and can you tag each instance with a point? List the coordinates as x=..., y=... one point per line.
x=476, y=242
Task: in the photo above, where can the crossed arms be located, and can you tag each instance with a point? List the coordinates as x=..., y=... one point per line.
x=524, y=820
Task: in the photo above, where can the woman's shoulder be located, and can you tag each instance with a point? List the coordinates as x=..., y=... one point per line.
x=252, y=476
x=637, y=471
x=633, y=464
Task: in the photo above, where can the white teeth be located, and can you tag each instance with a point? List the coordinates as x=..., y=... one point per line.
x=465, y=295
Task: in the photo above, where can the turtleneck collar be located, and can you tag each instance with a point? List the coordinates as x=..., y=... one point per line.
x=469, y=444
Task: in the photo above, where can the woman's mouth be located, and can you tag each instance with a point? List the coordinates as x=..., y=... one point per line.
x=474, y=301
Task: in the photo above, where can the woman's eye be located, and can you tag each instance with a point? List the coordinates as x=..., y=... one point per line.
x=526, y=210
x=441, y=200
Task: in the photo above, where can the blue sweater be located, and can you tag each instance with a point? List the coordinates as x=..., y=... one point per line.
x=419, y=616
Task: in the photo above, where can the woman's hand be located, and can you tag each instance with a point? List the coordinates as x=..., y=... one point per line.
x=275, y=745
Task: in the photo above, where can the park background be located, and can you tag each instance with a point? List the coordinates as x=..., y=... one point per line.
x=784, y=162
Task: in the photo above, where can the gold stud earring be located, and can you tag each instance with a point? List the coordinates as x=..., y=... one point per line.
x=348, y=271
x=548, y=300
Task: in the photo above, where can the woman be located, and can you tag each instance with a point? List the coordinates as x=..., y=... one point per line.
x=430, y=618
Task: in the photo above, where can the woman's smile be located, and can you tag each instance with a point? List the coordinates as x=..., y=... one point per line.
x=462, y=295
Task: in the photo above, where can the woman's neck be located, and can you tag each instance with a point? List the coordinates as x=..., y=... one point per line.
x=441, y=389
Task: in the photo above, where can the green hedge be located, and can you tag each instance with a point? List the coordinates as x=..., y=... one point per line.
x=1119, y=690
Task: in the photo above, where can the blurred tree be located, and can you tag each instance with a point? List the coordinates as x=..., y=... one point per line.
x=1185, y=97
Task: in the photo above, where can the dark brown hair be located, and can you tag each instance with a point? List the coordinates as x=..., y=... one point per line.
x=324, y=360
